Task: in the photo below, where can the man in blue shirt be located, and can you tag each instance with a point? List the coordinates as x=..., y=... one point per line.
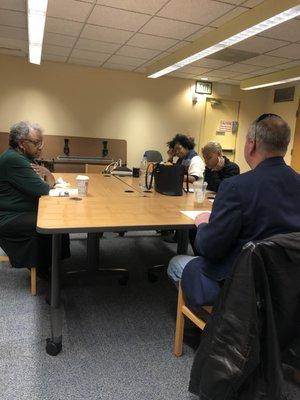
x=251, y=206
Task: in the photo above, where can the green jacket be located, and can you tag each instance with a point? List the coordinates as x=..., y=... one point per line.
x=20, y=186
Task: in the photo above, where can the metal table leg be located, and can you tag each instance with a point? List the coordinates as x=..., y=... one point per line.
x=182, y=241
x=93, y=251
x=54, y=344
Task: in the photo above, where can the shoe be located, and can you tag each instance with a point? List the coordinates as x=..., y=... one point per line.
x=192, y=337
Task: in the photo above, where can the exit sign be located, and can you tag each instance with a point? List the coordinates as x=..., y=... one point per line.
x=203, y=87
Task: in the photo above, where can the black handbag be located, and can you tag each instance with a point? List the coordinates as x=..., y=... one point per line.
x=168, y=179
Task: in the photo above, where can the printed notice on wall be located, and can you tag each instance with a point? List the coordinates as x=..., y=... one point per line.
x=225, y=126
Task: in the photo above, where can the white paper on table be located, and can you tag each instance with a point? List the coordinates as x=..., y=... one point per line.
x=60, y=183
x=211, y=200
x=63, y=192
x=193, y=214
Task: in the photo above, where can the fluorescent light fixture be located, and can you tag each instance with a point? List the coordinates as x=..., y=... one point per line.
x=36, y=16
x=275, y=78
x=231, y=40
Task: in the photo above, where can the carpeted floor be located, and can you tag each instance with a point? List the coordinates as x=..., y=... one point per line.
x=117, y=341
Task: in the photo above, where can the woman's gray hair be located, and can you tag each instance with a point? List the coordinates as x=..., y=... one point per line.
x=21, y=131
x=212, y=147
x=272, y=134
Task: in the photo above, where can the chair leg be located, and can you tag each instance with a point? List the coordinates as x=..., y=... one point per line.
x=33, y=281
x=179, y=325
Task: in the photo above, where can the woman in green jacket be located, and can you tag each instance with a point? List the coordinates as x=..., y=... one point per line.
x=22, y=182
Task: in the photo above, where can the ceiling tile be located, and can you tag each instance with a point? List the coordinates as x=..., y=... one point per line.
x=289, y=30
x=115, y=18
x=228, y=16
x=14, y=44
x=59, y=40
x=182, y=75
x=13, y=53
x=89, y=55
x=57, y=50
x=194, y=70
x=290, y=64
x=220, y=74
x=151, y=42
x=17, y=5
x=169, y=28
x=69, y=9
x=62, y=26
x=105, y=34
x=265, y=61
x=80, y=61
x=240, y=68
x=235, y=2
x=231, y=81
x=122, y=60
x=177, y=46
x=118, y=67
x=240, y=77
x=51, y=57
x=210, y=63
x=198, y=11
x=252, y=3
x=259, y=44
x=138, y=52
x=154, y=59
x=200, y=33
x=96, y=45
x=13, y=18
x=290, y=51
x=148, y=7
x=13, y=33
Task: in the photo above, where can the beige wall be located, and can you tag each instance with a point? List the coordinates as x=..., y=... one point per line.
x=83, y=101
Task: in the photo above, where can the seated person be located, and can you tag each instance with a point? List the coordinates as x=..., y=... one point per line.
x=218, y=167
x=251, y=206
x=22, y=182
x=182, y=146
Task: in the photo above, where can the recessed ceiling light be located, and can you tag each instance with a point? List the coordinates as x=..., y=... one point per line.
x=231, y=40
x=36, y=16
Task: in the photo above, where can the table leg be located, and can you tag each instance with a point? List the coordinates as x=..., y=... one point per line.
x=182, y=241
x=93, y=258
x=54, y=344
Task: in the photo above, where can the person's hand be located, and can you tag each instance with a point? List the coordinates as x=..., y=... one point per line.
x=202, y=218
x=171, y=154
x=40, y=170
x=220, y=164
x=44, y=173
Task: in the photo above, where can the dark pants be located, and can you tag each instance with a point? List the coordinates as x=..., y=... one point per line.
x=27, y=248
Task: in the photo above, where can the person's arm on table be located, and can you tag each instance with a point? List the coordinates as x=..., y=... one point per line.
x=217, y=237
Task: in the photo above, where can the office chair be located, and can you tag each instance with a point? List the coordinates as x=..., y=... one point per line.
x=198, y=319
x=153, y=156
x=33, y=289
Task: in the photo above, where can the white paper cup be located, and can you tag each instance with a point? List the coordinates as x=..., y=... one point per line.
x=82, y=185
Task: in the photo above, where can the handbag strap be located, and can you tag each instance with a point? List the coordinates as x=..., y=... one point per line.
x=149, y=172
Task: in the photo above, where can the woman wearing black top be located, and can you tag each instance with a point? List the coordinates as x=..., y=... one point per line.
x=217, y=166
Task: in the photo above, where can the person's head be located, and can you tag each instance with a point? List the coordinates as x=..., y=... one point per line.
x=182, y=145
x=268, y=136
x=211, y=153
x=26, y=138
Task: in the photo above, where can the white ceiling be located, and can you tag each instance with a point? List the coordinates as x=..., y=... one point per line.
x=132, y=34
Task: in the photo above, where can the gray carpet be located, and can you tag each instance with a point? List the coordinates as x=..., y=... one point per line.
x=118, y=340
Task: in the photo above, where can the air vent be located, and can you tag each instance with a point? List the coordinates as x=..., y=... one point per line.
x=233, y=55
x=284, y=94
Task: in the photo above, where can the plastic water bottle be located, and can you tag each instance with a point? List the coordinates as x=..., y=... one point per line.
x=143, y=169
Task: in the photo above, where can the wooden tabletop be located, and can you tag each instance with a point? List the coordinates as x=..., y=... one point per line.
x=114, y=204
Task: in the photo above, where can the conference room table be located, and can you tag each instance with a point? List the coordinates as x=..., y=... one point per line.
x=113, y=204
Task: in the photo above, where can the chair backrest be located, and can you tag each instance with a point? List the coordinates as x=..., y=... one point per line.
x=153, y=156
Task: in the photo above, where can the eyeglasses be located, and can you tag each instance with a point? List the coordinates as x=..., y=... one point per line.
x=36, y=143
x=261, y=118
